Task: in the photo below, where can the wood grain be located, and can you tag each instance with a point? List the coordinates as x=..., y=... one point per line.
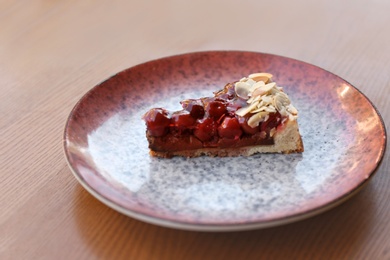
x=52, y=52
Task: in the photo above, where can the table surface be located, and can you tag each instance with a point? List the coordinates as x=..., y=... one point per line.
x=53, y=52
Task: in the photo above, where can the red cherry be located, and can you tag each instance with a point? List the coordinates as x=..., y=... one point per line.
x=243, y=121
x=216, y=108
x=273, y=121
x=182, y=120
x=194, y=106
x=157, y=121
x=206, y=129
x=230, y=128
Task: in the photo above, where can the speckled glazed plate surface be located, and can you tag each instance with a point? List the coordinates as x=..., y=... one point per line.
x=106, y=148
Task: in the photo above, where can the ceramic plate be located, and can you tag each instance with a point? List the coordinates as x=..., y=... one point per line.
x=106, y=148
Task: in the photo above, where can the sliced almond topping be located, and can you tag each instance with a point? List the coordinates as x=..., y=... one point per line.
x=292, y=109
x=245, y=110
x=292, y=117
x=275, y=91
x=254, y=120
x=253, y=99
x=250, y=100
x=261, y=76
x=283, y=111
x=283, y=98
x=261, y=104
x=251, y=82
x=264, y=89
x=267, y=99
x=242, y=89
x=257, y=110
x=268, y=109
x=256, y=86
x=263, y=97
x=277, y=104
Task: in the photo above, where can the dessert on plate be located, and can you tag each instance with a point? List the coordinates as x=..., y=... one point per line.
x=252, y=115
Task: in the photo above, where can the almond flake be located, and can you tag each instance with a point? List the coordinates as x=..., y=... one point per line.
x=264, y=89
x=283, y=111
x=277, y=104
x=245, y=110
x=265, y=77
x=261, y=104
x=254, y=120
x=256, y=86
x=268, y=109
x=292, y=109
x=251, y=82
x=242, y=89
x=257, y=110
x=282, y=98
x=253, y=99
x=267, y=99
x=292, y=117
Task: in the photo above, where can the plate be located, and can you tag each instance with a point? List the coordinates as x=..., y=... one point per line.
x=105, y=146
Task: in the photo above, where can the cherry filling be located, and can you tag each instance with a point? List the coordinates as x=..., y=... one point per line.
x=212, y=121
x=230, y=128
x=157, y=121
x=206, y=129
x=182, y=122
x=194, y=107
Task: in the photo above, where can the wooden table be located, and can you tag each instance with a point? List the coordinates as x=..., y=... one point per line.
x=52, y=52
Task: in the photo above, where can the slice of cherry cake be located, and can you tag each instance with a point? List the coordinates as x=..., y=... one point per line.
x=252, y=115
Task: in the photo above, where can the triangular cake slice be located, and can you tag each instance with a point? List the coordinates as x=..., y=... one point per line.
x=252, y=115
